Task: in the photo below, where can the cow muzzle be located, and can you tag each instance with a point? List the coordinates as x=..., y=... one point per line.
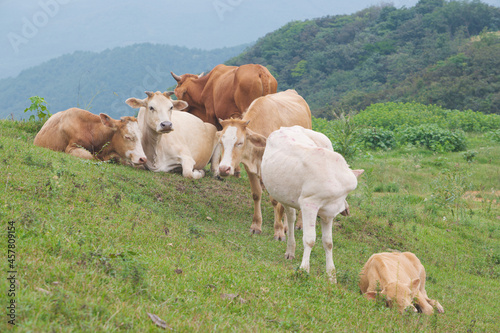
x=166, y=127
x=225, y=170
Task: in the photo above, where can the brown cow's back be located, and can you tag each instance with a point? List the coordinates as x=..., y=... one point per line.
x=226, y=92
x=284, y=109
x=73, y=126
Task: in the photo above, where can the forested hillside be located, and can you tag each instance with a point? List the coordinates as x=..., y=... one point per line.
x=103, y=81
x=436, y=52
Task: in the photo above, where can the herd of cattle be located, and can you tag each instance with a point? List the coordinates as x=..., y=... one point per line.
x=235, y=115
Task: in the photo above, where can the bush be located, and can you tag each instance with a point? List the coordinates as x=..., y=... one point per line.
x=343, y=133
x=391, y=116
x=376, y=138
x=494, y=135
x=433, y=137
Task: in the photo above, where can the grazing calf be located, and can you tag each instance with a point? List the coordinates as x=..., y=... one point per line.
x=86, y=135
x=401, y=278
x=175, y=140
x=243, y=141
x=299, y=172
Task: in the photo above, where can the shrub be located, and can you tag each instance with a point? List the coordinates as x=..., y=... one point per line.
x=433, y=137
x=494, y=135
x=391, y=116
x=38, y=105
x=376, y=138
x=343, y=133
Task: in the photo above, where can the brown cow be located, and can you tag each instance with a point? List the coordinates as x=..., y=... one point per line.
x=401, y=278
x=243, y=140
x=226, y=92
x=83, y=134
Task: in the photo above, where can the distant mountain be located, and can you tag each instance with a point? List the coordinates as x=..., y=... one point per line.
x=103, y=81
x=430, y=53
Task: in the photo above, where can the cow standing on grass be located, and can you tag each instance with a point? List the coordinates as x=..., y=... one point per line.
x=243, y=141
x=83, y=134
x=401, y=278
x=175, y=140
x=225, y=92
x=300, y=173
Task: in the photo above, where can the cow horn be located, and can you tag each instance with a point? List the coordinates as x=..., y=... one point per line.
x=201, y=75
x=176, y=77
x=168, y=93
x=149, y=93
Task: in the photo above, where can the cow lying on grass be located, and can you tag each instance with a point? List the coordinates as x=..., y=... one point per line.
x=401, y=278
x=175, y=140
x=86, y=135
x=299, y=172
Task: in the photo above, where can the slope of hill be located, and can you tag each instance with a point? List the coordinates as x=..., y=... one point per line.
x=103, y=81
x=99, y=246
x=387, y=54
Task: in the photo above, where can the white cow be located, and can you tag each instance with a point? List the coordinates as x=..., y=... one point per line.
x=301, y=171
x=190, y=143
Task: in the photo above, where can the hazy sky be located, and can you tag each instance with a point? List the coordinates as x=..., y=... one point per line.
x=33, y=31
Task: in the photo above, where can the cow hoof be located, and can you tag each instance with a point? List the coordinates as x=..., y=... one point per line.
x=255, y=231
x=298, y=227
x=280, y=238
x=289, y=256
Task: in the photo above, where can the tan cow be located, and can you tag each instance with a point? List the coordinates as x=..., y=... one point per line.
x=401, y=278
x=301, y=171
x=175, y=140
x=243, y=141
x=86, y=135
x=225, y=92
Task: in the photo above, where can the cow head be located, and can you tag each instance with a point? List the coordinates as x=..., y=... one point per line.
x=126, y=140
x=235, y=139
x=157, y=110
x=399, y=294
x=185, y=85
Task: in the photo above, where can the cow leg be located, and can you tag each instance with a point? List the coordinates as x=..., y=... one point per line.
x=425, y=302
x=290, y=245
x=79, y=152
x=255, y=187
x=326, y=231
x=298, y=225
x=422, y=301
x=215, y=161
x=187, y=163
x=309, y=213
x=279, y=233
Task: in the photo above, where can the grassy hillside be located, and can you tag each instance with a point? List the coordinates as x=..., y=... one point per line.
x=99, y=246
x=103, y=81
x=424, y=53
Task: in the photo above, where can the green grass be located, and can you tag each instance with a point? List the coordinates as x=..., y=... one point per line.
x=98, y=246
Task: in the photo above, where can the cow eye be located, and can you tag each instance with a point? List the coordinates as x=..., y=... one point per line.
x=128, y=137
x=239, y=144
x=151, y=108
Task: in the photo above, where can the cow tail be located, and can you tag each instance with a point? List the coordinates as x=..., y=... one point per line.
x=266, y=89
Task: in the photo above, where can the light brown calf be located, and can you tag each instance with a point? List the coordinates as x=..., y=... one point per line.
x=86, y=135
x=401, y=278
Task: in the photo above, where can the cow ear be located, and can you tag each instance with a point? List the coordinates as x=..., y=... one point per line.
x=180, y=105
x=136, y=103
x=107, y=121
x=256, y=139
x=358, y=172
x=370, y=295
